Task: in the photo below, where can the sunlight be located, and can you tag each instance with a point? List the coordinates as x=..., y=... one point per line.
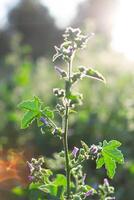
x=123, y=31
x=63, y=11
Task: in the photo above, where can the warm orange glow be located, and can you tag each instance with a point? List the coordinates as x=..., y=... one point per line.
x=12, y=166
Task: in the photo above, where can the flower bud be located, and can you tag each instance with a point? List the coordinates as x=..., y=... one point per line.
x=61, y=72
x=44, y=121
x=82, y=69
x=59, y=92
x=93, y=149
x=75, y=151
x=106, y=183
x=89, y=193
x=57, y=132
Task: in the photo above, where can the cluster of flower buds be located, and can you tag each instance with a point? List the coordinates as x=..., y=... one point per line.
x=77, y=172
x=61, y=109
x=75, y=99
x=94, y=151
x=106, y=191
x=59, y=92
x=84, y=190
x=73, y=40
x=78, y=40
x=65, y=51
x=79, y=155
x=36, y=170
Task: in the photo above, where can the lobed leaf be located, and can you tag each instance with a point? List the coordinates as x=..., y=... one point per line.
x=27, y=119
x=33, y=105
x=110, y=155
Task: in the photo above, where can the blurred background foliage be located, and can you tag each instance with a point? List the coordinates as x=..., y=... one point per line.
x=26, y=69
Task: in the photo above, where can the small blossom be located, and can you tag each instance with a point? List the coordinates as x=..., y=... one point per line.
x=89, y=193
x=94, y=149
x=43, y=120
x=31, y=178
x=106, y=183
x=75, y=151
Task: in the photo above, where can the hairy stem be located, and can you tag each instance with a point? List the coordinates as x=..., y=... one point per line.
x=65, y=137
x=65, y=143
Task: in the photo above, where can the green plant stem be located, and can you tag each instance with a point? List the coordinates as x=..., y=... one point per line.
x=65, y=143
x=65, y=137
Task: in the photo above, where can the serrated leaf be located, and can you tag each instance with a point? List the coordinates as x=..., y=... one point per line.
x=27, y=119
x=110, y=155
x=110, y=165
x=111, y=144
x=32, y=105
x=111, y=150
x=95, y=74
x=32, y=108
x=99, y=162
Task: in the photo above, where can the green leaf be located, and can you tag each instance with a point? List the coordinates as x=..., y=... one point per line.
x=99, y=162
x=110, y=165
x=27, y=119
x=49, y=113
x=60, y=180
x=110, y=155
x=32, y=108
x=111, y=150
x=34, y=186
x=95, y=74
x=32, y=105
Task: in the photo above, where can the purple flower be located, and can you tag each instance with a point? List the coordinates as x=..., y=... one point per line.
x=89, y=193
x=31, y=178
x=106, y=183
x=44, y=121
x=94, y=149
x=83, y=179
x=75, y=151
